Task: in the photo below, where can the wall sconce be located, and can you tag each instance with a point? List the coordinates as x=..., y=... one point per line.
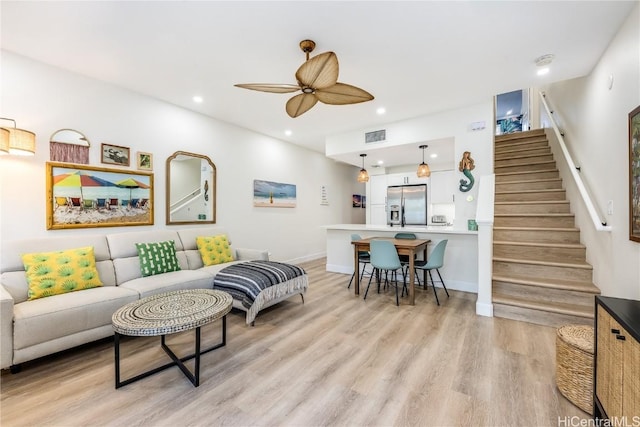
x=4, y=141
x=363, y=176
x=21, y=142
x=423, y=168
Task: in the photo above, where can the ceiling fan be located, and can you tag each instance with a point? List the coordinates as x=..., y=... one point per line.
x=318, y=80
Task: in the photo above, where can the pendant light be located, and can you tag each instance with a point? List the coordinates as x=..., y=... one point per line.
x=363, y=176
x=423, y=168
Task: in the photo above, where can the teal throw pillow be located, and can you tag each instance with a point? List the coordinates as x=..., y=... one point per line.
x=157, y=258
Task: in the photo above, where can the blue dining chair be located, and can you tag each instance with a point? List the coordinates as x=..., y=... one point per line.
x=384, y=257
x=363, y=258
x=435, y=262
x=404, y=259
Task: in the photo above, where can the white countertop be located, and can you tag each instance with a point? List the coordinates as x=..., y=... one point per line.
x=397, y=229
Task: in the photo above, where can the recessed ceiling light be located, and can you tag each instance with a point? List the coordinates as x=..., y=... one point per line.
x=433, y=156
x=198, y=99
x=381, y=110
x=543, y=71
x=288, y=132
x=380, y=162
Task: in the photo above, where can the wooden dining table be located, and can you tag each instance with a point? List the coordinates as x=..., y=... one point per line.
x=403, y=246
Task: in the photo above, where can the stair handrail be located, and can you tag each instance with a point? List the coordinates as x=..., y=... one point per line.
x=185, y=200
x=598, y=223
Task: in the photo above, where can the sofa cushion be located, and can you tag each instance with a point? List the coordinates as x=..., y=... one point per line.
x=172, y=281
x=123, y=245
x=46, y=319
x=53, y=273
x=157, y=258
x=214, y=249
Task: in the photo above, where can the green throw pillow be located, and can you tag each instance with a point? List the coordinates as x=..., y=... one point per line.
x=214, y=250
x=59, y=272
x=157, y=258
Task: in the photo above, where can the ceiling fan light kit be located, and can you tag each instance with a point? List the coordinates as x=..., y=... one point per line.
x=318, y=81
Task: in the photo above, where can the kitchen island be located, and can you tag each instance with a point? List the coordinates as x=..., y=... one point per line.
x=460, y=270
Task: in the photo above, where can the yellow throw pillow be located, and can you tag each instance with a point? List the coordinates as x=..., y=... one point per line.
x=53, y=273
x=214, y=249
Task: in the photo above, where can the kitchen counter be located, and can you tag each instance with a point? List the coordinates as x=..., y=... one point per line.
x=460, y=270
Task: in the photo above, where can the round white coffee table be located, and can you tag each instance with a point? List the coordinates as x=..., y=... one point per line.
x=169, y=313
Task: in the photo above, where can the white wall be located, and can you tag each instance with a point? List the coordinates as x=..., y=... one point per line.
x=44, y=99
x=595, y=122
x=454, y=124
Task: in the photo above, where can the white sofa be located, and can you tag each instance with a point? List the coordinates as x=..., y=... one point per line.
x=30, y=329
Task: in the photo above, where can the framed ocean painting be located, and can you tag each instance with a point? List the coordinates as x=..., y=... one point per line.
x=269, y=194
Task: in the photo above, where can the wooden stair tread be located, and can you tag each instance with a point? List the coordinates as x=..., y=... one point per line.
x=523, y=156
x=564, y=284
x=527, y=164
x=559, y=308
x=537, y=228
x=523, y=172
x=542, y=190
x=536, y=215
x=529, y=181
x=569, y=264
x=541, y=244
x=532, y=202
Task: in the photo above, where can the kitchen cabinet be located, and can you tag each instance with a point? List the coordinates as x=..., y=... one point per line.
x=378, y=214
x=377, y=190
x=617, y=359
x=443, y=186
x=405, y=179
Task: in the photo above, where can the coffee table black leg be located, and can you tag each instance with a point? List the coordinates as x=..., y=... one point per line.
x=195, y=379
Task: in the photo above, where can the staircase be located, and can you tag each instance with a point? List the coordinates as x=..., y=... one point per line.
x=540, y=273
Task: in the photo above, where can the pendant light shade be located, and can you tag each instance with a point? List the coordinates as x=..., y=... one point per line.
x=363, y=176
x=423, y=168
x=4, y=141
x=21, y=142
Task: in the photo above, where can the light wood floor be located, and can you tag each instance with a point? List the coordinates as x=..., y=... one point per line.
x=336, y=360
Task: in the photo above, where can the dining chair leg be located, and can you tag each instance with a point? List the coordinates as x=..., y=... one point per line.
x=395, y=273
x=367, y=291
x=352, y=276
x=434, y=287
x=443, y=285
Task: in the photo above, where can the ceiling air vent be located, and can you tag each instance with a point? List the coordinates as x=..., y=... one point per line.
x=375, y=136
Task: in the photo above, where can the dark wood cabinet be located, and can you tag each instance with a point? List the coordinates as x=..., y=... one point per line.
x=617, y=359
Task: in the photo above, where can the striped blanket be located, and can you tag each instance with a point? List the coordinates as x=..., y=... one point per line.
x=246, y=280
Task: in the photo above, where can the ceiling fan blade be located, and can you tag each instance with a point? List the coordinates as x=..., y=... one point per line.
x=319, y=72
x=342, y=93
x=267, y=87
x=300, y=104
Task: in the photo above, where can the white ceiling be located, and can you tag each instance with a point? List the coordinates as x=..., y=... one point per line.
x=415, y=57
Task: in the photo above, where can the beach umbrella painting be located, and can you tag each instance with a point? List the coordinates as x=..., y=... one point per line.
x=131, y=183
x=79, y=180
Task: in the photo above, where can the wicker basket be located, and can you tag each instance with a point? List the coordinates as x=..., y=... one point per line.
x=574, y=365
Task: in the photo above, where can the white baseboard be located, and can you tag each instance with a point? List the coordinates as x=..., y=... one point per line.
x=483, y=309
x=334, y=268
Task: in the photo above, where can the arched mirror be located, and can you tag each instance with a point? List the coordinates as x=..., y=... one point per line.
x=191, y=189
x=69, y=145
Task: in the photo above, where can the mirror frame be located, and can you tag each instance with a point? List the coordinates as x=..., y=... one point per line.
x=212, y=189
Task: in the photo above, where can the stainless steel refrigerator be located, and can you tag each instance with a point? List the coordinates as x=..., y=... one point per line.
x=407, y=205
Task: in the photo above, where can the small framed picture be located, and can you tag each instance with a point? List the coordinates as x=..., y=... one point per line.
x=144, y=161
x=114, y=155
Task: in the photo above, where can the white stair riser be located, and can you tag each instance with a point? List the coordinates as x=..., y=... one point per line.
x=501, y=268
